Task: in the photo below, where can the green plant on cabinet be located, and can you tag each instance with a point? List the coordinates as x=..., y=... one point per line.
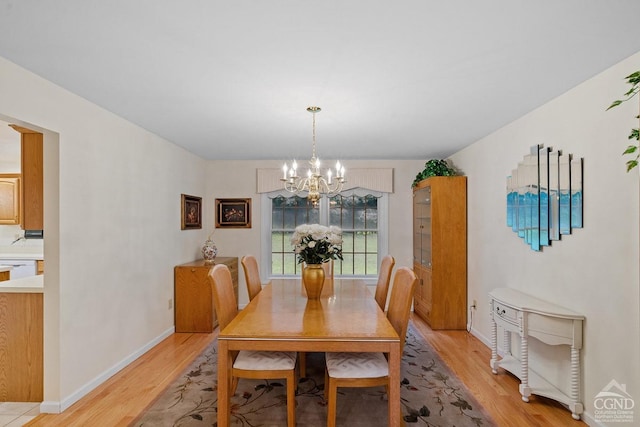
x=434, y=167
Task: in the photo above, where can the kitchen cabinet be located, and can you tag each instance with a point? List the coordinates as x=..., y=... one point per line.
x=194, y=306
x=39, y=266
x=21, y=347
x=440, y=251
x=9, y=199
x=32, y=174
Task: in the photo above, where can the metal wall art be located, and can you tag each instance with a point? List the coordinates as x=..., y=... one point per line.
x=544, y=196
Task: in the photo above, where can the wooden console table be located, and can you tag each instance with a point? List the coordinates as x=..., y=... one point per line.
x=515, y=311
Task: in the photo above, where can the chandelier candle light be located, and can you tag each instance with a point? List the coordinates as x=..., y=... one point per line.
x=314, y=183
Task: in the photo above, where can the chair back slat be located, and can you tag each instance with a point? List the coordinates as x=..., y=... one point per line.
x=404, y=284
x=251, y=275
x=224, y=297
x=384, y=278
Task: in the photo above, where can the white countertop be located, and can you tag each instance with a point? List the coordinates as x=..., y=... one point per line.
x=21, y=255
x=33, y=284
x=4, y=268
x=21, y=251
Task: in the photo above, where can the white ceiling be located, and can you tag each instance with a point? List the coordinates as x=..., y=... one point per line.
x=395, y=79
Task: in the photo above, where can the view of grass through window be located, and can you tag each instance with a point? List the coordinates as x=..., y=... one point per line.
x=357, y=216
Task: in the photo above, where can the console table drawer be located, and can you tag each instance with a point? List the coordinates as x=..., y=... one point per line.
x=506, y=313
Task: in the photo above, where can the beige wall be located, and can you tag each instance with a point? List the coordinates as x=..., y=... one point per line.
x=593, y=271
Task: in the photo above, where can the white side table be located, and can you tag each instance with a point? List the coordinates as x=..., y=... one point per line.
x=517, y=312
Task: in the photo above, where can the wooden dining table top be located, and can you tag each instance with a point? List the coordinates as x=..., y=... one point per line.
x=346, y=310
x=346, y=317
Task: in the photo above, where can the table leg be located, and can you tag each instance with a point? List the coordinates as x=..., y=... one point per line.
x=525, y=391
x=224, y=382
x=494, y=347
x=575, y=405
x=394, y=386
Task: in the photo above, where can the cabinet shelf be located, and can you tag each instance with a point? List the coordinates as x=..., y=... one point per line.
x=541, y=386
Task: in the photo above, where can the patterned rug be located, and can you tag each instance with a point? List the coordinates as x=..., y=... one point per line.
x=431, y=396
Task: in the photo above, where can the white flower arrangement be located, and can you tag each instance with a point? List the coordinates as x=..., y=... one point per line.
x=316, y=244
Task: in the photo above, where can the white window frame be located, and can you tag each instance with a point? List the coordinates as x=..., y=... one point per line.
x=265, y=220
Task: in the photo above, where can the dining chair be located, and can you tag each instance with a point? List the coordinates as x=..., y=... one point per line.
x=266, y=365
x=384, y=278
x=370, y=369
x=251, y=275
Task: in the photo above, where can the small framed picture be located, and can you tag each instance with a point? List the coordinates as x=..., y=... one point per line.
x=191, y=217
x=233, y=213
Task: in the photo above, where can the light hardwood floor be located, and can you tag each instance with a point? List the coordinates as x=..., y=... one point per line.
x=126, y=395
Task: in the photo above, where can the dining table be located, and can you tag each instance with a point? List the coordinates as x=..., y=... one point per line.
x=345, y=318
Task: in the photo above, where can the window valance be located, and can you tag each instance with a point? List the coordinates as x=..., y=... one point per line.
x=376, y=179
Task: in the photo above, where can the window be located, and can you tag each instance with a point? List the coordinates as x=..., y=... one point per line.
x=362, y=218
x=358, y=218
x=286, y=214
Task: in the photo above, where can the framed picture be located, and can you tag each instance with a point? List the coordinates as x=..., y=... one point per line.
x=233, y=213
x=191, y=213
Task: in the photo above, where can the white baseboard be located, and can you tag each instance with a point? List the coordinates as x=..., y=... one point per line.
x=53, y=407
x=482, y=338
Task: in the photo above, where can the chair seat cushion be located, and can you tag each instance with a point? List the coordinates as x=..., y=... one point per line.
x=357, y=365
x=265, y=360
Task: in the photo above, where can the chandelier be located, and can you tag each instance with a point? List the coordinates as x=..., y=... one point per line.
x=314, y=183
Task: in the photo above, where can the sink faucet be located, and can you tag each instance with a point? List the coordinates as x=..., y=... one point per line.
x=18, y=239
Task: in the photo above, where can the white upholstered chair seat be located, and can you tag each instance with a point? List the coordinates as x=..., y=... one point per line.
x=357, y=365
x=265, y=360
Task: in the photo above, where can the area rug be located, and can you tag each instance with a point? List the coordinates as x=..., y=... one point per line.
x=431, y=395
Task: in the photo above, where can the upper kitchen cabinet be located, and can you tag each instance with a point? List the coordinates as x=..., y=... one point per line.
x=9, y=199
x=32, y=160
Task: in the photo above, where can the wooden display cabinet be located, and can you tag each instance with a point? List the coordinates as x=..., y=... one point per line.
x=440, y=251
x=194, y=307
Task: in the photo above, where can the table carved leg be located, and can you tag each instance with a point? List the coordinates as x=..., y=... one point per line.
x=525, y=391
x=494, y=347
x=575, y=406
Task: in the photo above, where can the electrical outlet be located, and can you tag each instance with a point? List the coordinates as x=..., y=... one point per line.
x=474, y=305
x=170, y=303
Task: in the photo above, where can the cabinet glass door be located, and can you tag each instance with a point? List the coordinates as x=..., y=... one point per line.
x=422, y=227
